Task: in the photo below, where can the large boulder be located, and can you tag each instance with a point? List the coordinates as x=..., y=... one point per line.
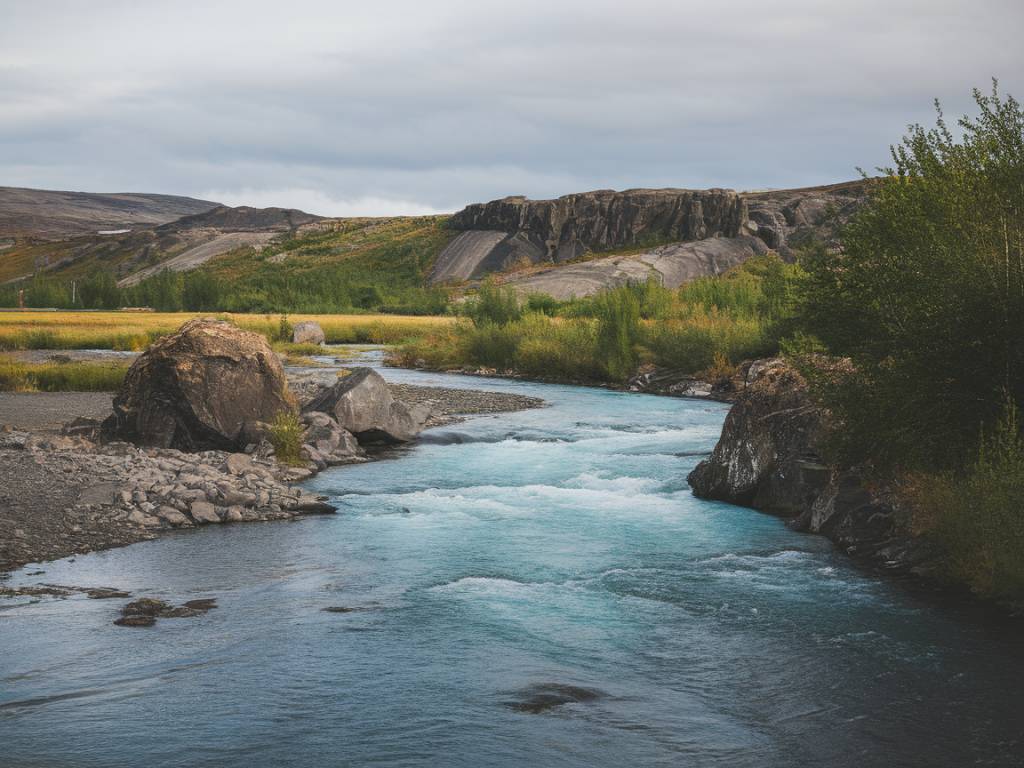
x=770, y=457
x=198, y=388
x=362, y=404
x=308, y=332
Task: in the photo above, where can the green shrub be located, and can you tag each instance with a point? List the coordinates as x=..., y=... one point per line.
x=977, y=515
x=286, y=437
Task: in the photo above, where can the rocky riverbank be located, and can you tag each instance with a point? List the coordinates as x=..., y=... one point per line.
x=770, y=457
x=65, y=494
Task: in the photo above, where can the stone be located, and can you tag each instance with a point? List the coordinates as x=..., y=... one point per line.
x=204, y=512
x=234, y=514
x=769, y=457
x=101, y=494
x=362, y=404
x=313, y=504
x=236, y=498
x=197, y=388
x=238, y=463
x=307, y=332
x=172, y=516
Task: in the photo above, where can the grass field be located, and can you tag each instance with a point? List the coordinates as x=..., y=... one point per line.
x=137, y=330
x=60, y=377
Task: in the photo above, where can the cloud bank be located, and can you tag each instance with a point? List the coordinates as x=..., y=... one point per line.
x=408, y=107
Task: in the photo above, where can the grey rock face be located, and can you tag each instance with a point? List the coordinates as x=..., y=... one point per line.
x=307, y=332
x=512, y=231
x=768, y=457
x=788, y=219
x=197, y=389
x=704, y=232
x=363, y=405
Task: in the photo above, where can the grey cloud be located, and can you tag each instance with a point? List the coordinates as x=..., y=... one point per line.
x=437, y=104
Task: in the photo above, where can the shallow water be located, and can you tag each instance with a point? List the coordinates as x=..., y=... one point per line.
x=498, y=558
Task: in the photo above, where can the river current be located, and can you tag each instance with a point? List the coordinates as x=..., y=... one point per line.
x=497, y=568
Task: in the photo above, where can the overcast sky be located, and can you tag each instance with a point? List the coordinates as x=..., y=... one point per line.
x=388, y=106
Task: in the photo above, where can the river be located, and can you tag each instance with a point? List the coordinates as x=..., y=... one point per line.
x=496, y=564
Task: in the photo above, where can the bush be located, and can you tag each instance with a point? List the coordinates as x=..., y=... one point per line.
x=286, y=437
x=927, y=297
x=493, y=305
x=977, y=516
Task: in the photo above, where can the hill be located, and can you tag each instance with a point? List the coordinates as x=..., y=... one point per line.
x=53, y=215
x=275, y=259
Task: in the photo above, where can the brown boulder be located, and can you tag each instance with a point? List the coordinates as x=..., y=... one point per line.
x=198, y=388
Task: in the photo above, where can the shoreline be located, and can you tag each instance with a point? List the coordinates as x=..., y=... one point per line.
x=67, y=496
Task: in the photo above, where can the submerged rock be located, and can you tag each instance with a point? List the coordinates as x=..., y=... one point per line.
x=197, y=388
x=536, y=699
x=146, y=610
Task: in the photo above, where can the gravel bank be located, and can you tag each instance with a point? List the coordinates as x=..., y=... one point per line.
x=63, y=495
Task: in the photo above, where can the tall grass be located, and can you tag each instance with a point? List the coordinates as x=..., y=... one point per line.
x=137, y=330
x=706, y=326
x=60, y=377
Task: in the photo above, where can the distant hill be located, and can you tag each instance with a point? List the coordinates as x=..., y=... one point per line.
x=145, y=249
x=575, y=245
x=53, y=215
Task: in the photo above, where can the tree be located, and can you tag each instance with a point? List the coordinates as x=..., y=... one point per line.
x=927, y=296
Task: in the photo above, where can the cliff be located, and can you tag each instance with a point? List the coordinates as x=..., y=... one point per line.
x=671, y=235
x=770, y=457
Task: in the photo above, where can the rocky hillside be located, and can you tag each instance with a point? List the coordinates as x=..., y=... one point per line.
x=614, y=237
x=53, y=215
x=182, y=244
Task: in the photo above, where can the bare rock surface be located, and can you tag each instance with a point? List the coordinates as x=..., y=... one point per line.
x=363, y=404
x=197, y=388
x=770, y=457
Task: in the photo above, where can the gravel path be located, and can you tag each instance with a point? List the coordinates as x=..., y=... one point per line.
x=47, y=411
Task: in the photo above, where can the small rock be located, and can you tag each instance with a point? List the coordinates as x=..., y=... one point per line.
x=204, y=512
x=238, y=463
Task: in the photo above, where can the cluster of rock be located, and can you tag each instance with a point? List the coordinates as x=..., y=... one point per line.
x=146, y=610
x=770, y=457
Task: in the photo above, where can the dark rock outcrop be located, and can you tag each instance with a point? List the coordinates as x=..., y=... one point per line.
x=197, y=389
x=363, y=404
x=769, y=457
x=690, y=234
x=564, y=228
x=789, y=218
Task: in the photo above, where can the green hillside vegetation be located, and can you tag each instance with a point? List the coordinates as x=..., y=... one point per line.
x=358, y=265
x=710, y=323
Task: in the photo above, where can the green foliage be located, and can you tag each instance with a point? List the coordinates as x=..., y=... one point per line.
x=99, y=291
x=286, y=437
x=618, y=328
x=711, y=323
x=927, y=297
x=977, y=515
x=493, y=305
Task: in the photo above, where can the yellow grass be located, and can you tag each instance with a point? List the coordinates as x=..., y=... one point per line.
x=136, y=330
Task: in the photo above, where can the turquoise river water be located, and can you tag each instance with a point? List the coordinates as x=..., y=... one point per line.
x=500, y=562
